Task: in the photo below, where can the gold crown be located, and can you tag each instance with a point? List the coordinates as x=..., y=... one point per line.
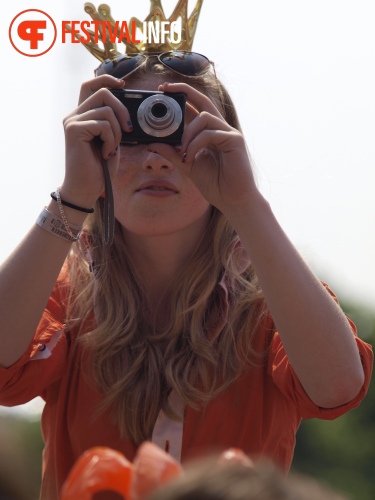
x=108, y=48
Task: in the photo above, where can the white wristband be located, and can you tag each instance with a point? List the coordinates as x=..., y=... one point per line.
x=53, y=224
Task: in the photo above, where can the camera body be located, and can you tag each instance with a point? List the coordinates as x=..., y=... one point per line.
x=156, y=116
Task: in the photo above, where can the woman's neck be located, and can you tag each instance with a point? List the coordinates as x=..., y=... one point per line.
x=160, y=259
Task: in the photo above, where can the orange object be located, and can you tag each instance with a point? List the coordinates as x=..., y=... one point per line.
x=99, y=468
x=153, y=467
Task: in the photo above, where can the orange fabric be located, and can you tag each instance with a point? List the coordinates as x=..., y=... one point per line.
x=259, y=413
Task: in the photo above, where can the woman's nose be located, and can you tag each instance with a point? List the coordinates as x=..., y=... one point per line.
x=156, y=162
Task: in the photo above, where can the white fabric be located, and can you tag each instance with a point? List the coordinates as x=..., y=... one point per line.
x=45, y=350
x=167, y=430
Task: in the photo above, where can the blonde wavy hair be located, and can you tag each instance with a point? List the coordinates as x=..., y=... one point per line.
x=201, y=351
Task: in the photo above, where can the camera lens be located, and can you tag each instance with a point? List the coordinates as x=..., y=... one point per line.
x=159, y=115
x=159, y=110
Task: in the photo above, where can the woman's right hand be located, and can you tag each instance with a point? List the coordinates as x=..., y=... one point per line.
x=92, y=130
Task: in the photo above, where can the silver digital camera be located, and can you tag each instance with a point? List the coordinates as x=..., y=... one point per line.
x=156, y=116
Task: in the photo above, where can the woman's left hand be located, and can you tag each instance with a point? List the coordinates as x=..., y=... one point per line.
x=213, y=154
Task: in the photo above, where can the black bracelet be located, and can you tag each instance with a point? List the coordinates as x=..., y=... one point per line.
x=67, y=204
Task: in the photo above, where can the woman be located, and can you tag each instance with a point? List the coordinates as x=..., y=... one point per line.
x=200, y=328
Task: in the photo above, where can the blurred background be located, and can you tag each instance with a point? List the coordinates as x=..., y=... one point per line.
x=302, y=77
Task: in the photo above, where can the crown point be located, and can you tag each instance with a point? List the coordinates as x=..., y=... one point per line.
x=104, y=10
x=89, y=8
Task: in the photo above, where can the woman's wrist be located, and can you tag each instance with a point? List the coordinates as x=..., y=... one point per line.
x=55, y=195
x=77, y=196
x=59, y=226
x=76, y=206
x=72, y=216
x=247, y=211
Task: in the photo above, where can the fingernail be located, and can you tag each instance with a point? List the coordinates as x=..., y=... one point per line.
x=113, y=153
x=184, y=158
x=178, y=147
x=130, y=125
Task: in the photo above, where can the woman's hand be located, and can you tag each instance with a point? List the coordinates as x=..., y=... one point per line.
x=213, y=153
x=93, y=130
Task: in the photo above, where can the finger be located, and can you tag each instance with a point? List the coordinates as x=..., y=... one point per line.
x=200, y=101
x=91, y=86
x=190, y=113
x=103, y=114
x=103, y=97
x=88, y=130
x=221, y=140
x=202, y=122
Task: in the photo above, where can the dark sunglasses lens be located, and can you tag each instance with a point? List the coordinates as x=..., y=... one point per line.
x=121, y=66
x=187, y=63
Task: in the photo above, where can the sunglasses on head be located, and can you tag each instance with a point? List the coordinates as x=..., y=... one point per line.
x=180, y=61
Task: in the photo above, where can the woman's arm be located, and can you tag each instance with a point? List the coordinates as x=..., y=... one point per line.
x=27, y=277
x=315, y=333
x=26, y=281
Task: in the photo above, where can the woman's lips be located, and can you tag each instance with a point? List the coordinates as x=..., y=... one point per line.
x=157, y=188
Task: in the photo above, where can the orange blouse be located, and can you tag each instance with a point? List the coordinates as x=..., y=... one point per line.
x=259, y=413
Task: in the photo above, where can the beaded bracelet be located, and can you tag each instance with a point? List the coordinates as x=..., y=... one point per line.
x=70, y=205
x=53, y=224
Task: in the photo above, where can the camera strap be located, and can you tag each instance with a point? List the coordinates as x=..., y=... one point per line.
x=109, y=212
